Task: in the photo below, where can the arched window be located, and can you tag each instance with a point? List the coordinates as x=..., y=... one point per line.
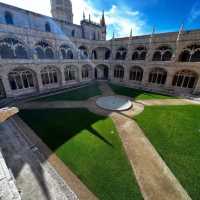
x=12, y=49
x=94, y=55
x=83, y=53
x=158, y=76
x=47, y=27
x=195, y=56
x=70, y=73
x=163, y=53
x=73, y=33
x=66, y=52
x=86, y=72
x=8, y=18
x=107, y=54
x=21, y=79
x=49, y=76
x=119, y=72
x=185, y=79
x=136, y=74
x=121, y=54
x=44, y=51
x=139, y=53
x=184, y=56
x=157, y=56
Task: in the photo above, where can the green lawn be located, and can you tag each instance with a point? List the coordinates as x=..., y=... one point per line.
x=137, y=94
x=75, y=95
x=175, y=133
x=90, y=146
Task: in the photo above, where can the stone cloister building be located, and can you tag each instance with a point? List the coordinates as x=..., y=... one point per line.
x=39, y=54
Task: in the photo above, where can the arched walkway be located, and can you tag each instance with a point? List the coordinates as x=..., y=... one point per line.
x=102, y=72
x=119, y=72
x=158, y=76
x=86, y=72
x=22, y=81
x=71, y=73
x=185, y=80
x=50, y=77
x=136, y=74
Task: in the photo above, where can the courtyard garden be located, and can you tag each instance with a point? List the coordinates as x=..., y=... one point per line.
x=89, y=144
x=137, y=94
x=175, y=133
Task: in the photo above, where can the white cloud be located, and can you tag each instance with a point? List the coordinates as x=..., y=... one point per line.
x=119, y=18
x=194, y=13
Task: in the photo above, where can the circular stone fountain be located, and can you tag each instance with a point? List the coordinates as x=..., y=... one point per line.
x=114, y=103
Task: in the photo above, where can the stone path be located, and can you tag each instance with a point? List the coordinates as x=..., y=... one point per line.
x=35, y=177
x=155, y=179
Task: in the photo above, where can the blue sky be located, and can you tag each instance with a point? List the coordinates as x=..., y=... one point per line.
x=122, y=15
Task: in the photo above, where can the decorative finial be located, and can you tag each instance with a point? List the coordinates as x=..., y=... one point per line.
x=113, y=35
x=83, y=15
x=89, y=18
x=102, y=21
x=131, y=33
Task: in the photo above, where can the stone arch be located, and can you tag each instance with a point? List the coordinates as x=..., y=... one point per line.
x=185, y=79
x=162, y=53
x=83, y=53
x=11, y=48
x=44, y=50
x=102, y=53
x=121, y=53
x=23, y=80
x=102, y=72
x=71, y=73
x=51, y=76
x=119, y=72
x=136, y=74
x=66, y=52
x=86, y=72
x=139, y=53
x=185, y=56
x=158, y=76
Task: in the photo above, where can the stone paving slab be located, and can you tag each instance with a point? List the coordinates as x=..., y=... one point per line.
x=36, y=179
x=69, y=177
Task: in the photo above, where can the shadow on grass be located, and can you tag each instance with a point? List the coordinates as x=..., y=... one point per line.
x=137, y=94
x=65, y=127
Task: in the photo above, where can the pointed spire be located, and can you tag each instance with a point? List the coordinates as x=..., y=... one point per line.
x=102, y=21
x=89, y=18
x=131, y=33
x=113, y=35
x=83, y=15
x=180, y=31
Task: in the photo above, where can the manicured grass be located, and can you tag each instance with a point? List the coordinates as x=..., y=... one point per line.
x=90, y=146
x=137, y=94
x=75, y=95
x=175, y=133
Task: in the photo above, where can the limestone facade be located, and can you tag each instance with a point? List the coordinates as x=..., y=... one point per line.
x=39, y=54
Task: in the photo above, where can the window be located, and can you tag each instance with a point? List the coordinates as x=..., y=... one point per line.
x=12, y=49
x=73, y=33
x=8, y=18
x=49, y=76
x=185, y=79
x=119, y=72
x=158, y=76
x=44, y=51
x=121, y=54
x=21, y=79
x=136, y=74
x=139, y=53
x=70, y=73
x=47, y=27
x=163, y=53
x=86, y=71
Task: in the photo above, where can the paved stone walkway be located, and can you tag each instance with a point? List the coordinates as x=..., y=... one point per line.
x=155, y=179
